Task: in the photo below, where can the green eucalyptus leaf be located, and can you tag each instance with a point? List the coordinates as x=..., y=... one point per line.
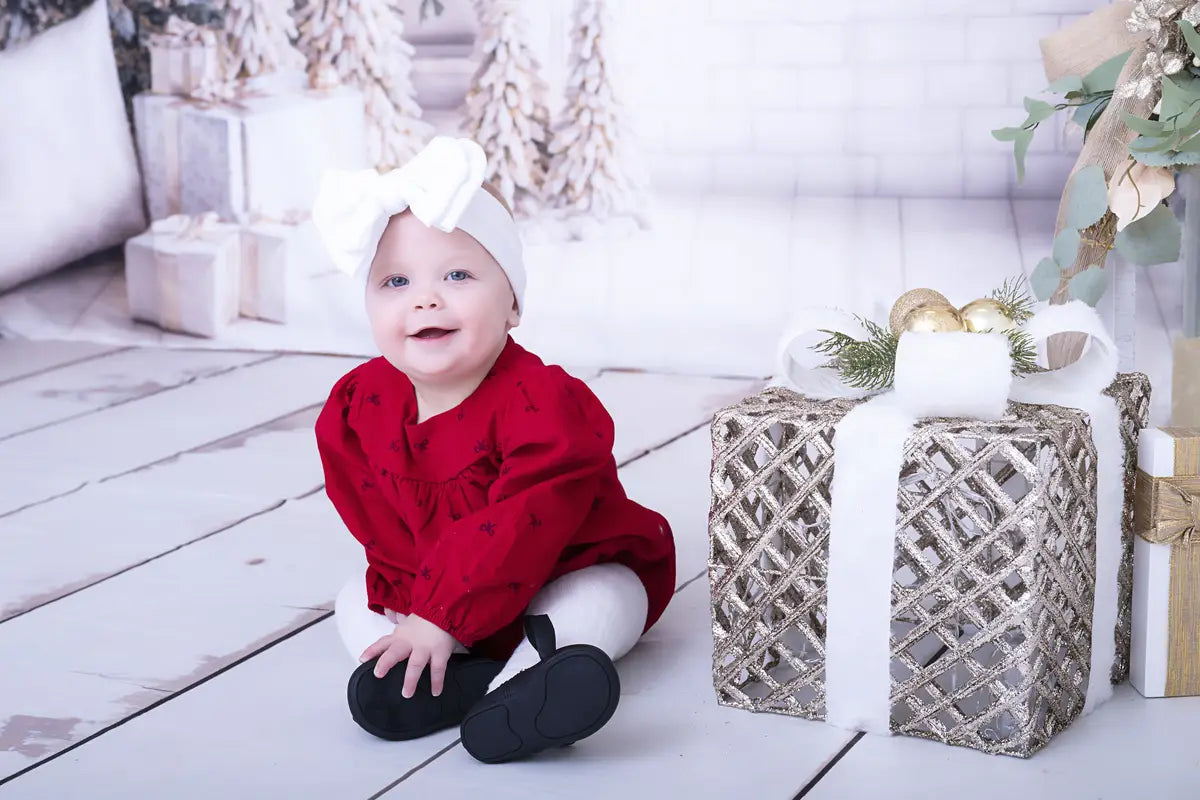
x=1088, y=197
x=1191, y=145
x=1143, y=126
x=1088, y=285
x=1190, y=35
x=1094, y=117
x=1184, y=158
x=1180, y=94
x=1007, y=134
x=1186, y=132
x=1066, y=247
x=1066, y=85
x=1039, y=111
x=1144, y=144
x=1020, y=149
x=1104, y=77
x=1153, y=239
x=1045, y=278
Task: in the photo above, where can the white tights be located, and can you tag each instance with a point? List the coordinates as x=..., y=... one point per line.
x=604, y=605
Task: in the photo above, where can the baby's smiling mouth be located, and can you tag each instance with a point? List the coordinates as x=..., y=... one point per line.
x=432, y=333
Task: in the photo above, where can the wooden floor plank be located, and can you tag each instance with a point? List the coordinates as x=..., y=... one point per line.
x=168, y=624
x=53, y=549
x=306, y=534
x=83, y=387
x=669, y=738
x=54, y=461
x=656, y=407
x=20, y=358
x=1129, y=747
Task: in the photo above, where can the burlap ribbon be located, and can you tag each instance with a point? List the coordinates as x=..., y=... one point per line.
x=1167, y=512
x=1077, y=50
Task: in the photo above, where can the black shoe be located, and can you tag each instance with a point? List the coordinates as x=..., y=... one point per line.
x=567, y=696
x=378, y=706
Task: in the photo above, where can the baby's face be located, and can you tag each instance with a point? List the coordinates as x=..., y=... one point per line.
x=439, y=305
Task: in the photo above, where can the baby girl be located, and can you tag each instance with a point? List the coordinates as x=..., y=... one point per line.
x=506, y=568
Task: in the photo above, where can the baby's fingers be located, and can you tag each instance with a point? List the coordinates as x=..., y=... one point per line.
x=416, y=665
x=375, y=649
x=396, y=653
x=437, y=672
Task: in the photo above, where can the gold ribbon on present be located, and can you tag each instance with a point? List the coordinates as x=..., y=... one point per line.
x=1167, y=512
x=1076, y=50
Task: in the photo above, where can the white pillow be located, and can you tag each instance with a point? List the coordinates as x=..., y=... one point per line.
x=69, y=179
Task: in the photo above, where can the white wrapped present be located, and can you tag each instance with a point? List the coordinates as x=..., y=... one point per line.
x=183, y=274
x=260, y=152
x=277, y=261
x=184, y=58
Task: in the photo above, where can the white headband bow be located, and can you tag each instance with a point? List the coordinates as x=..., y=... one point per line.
x=441, y=185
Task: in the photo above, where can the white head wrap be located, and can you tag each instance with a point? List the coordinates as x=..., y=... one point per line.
x=443, y=187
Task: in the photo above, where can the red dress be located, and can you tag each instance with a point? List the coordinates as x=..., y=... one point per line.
x=465, y=516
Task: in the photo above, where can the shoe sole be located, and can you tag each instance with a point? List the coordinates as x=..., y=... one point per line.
x=559, y=701
x=472, y=677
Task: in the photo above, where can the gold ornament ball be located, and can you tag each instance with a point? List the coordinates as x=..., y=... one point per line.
x=986, y=314
x=932, y=319
x=911, y=300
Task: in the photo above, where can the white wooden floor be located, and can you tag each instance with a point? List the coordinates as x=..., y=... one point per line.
x=168, y=563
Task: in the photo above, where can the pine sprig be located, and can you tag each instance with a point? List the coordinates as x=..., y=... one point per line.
x=863, y=364
x=1014, y=300
x=1023, y=351
x=870, y=363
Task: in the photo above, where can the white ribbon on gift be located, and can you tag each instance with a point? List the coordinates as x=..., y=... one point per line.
x=940, y=375
x=441, y=185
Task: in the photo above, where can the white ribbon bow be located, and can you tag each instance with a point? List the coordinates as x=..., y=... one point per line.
x=353, y=207
x=940, y=374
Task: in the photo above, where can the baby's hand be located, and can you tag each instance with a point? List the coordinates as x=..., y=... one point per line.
x=422, y=643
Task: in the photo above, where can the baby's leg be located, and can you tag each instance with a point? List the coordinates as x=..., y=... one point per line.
x=604, y=605
x=359, y=626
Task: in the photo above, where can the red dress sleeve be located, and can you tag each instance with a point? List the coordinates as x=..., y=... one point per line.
x=554, y=440
x=357, y=495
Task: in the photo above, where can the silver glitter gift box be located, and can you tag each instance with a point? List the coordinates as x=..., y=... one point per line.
x=993, y=577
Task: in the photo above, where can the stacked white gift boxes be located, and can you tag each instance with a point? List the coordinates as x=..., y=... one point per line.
x=230, y=170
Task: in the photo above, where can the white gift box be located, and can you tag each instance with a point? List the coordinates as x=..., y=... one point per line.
x=276, y=264
x=183, y=274
x=261, y=153
x=184, y=58
x=180, y=69
x=1165, y=652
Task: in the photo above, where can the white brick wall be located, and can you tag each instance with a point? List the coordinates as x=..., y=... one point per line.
x=894, y=97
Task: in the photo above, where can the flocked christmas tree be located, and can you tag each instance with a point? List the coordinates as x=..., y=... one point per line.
x=362, y=42
x=258, y=37
x=506, y=111
x=586, y=170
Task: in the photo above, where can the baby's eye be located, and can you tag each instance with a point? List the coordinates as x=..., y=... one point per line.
x=458, y=275
x=396, y=281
